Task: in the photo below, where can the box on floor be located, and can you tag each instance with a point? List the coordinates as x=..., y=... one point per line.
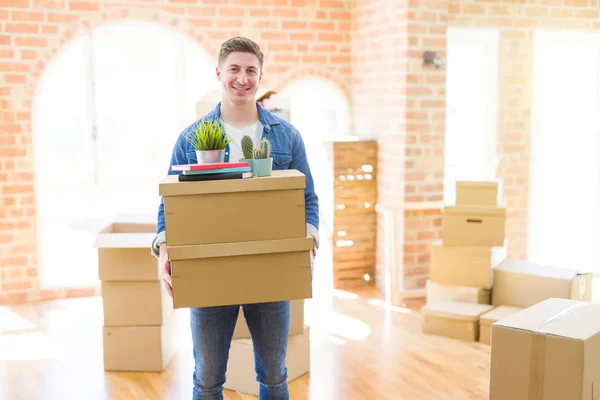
x=465, y=265
x=138, y=312
x=495, y=315
x=296, y=321
x=142, y=348
x=241, y=375
x=454, y=319
x=437, y=293
x=549, y=351
x=522, y=283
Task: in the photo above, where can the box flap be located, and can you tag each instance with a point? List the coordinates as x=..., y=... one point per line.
x=121, y=223
x=529, y=268
x=457, y=310
x=475, y=210
x=240, y=248
x=498, y=313
x=124, y=240
x=279, y=180
x=477, y=184
x=559, y=317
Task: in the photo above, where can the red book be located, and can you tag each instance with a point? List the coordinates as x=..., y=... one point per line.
x=197, y=167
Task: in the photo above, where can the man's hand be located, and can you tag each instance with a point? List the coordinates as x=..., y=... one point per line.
x=312, y=262
x=165, y=268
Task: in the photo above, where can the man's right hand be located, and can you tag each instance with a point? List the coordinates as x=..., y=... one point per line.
x=165, y=267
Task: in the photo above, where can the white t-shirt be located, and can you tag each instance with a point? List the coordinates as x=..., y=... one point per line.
x=236, y=134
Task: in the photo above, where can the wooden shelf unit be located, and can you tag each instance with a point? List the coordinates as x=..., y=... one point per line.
x=354, y=168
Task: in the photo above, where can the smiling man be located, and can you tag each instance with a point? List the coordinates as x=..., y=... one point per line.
x=239, y=70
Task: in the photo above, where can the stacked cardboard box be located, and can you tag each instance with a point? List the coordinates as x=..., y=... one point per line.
x=548, y=351
x=241, y=241
x=461, y=275
x=471, y=265
x=140, y=325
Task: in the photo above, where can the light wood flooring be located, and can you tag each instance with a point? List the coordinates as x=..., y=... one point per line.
x=359, y=350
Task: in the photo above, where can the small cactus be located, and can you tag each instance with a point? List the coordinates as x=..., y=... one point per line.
x=257, y=154
x=247, y=146
x=265, y=146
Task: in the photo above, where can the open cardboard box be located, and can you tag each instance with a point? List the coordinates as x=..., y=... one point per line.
x=124, y=244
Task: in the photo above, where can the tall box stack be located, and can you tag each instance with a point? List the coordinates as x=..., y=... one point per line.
x=140, y=325
x=240, y=241
x=462, y=264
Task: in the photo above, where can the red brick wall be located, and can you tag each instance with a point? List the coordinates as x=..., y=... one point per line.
x=372, y=49
x=402, y=102
x=309, y=38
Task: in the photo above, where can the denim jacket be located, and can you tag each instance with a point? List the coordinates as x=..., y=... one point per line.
x=287, y=150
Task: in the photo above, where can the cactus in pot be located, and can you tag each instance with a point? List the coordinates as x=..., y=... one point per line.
x=262, y=163
x=247, y=150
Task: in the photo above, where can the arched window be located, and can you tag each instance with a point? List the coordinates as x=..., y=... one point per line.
x=106, y=115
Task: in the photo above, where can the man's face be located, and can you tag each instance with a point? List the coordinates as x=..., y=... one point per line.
x=240, y=76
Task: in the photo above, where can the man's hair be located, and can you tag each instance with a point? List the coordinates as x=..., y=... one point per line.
x=240, y=44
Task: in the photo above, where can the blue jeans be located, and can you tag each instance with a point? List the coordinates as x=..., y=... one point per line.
x=212, y=330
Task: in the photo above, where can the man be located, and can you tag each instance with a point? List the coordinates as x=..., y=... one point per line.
x=240, y=71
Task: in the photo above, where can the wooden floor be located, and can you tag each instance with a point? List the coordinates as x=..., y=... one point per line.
x=359, y=350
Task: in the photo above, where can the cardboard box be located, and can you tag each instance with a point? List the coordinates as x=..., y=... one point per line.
x=454, y=319
x=142, y=348
x=123, y=245
x=296, y=321
x=241, y=375
x=487, y=319
x=549, y=351
x=241, y=273
x=465, y=265
x=227, y=211
x=477, y=193
x=437, y=293
x=522, y=283
x=127, y=303
x=474, y=225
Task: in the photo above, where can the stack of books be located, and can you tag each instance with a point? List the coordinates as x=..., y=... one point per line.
x=213, y=171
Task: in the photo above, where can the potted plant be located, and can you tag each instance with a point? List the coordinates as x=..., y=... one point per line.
x=262, y=163
x=247, y=149
x=209, y=141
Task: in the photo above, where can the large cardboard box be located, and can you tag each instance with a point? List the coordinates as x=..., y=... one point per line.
x=437, y=293
x=296, y=321
x=549, y=351
x=489, y=318
x=522, y=283
x=454, y=319
x=241, y=375
x=127, y=303
x=234, y=210
x=241, y=273
x=465, y=265
x=142, y=348
x=470, y=225
x=478, y=193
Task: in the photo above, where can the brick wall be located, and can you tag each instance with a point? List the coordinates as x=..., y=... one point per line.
x=372, y=49
x=414, y=95
x=300, y=37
